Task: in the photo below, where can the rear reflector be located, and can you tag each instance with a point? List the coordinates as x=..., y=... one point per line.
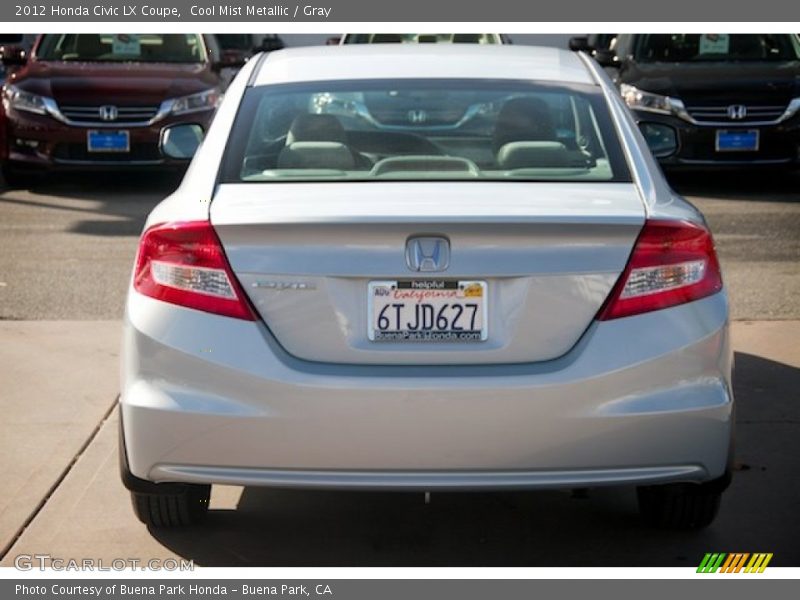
x=673, y=262
x=183, y=263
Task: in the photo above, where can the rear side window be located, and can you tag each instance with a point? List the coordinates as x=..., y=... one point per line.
x=424, y=130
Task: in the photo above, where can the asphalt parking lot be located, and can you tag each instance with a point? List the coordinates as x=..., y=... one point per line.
x=66, y=250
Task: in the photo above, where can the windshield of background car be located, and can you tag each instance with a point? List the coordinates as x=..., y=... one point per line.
x=122, y=47
x=235, y=41
x=707, y=47
x=422, y=38
x=424, y=130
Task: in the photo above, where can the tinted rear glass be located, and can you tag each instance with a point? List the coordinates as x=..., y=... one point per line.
x=424, y=130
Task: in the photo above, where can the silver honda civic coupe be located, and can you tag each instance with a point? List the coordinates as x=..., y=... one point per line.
x=425, y=268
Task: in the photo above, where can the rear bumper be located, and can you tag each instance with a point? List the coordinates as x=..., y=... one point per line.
x=645, y=399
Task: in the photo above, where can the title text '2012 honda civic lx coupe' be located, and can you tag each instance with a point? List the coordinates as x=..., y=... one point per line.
x=425, y=268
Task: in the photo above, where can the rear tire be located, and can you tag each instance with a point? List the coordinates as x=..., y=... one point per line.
x=682, y=506
x=172, y=509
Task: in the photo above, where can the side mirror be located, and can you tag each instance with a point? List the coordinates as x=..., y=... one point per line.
x=180, y=141
x=333, y=40
x=579, y=44
x=13, y=56
x=661, y=139
x=606, y=58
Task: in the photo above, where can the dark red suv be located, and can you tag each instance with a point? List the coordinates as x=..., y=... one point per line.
x=101, y=100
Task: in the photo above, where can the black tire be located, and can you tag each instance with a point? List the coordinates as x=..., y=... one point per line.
x=174, y=508
x=682, y=506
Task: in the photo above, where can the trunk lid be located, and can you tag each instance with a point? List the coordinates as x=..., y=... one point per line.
x=549, y=254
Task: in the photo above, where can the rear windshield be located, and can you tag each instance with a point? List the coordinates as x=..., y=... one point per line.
x=709, y=47
x=122, y=47
x=424, y=130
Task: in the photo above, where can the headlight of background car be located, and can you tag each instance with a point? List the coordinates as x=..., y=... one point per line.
x=13, y=97
x=205, y=100
x=792, y=109
x=641, y=100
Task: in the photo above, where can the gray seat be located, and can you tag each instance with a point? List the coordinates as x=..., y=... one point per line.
x=316, y=142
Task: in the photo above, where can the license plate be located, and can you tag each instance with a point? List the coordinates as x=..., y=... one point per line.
x=737, y=140
x=108, y=141
x=427, y=311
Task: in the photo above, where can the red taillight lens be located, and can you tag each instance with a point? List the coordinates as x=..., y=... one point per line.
x=673, y=262
x=183, y=263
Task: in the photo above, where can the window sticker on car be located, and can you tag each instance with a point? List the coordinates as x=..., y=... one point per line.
x=125, y=43
x=714, y=43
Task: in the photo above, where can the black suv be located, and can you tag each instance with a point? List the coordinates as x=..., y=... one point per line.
x=712, y=99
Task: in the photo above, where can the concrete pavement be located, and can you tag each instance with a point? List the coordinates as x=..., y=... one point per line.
x=58, y=381
x=88, y=513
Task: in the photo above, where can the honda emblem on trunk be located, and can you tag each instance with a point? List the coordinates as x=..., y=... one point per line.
x=428, y=254
x=108, y=112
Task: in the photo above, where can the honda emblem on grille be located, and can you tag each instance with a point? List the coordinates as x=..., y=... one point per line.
x=108, y=112
x=737, y=112
x=417, y=116
x=428, y=254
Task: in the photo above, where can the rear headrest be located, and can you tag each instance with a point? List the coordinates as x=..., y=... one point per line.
x=316, y=128
x=316, y=155
x=523, y=119
x=537, y=155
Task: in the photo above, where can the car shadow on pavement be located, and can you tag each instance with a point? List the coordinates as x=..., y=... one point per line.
x=750, y=185
x=126, y=197
x=598, y=527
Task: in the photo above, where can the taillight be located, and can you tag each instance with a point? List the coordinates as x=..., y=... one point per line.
x=673, y=262
x=183, y=263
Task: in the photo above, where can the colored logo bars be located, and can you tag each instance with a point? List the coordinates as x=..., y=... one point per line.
x=734, y=563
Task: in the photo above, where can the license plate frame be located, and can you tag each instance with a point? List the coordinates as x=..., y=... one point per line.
x=464, y=291
x=737, y=140
x=108, y=140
